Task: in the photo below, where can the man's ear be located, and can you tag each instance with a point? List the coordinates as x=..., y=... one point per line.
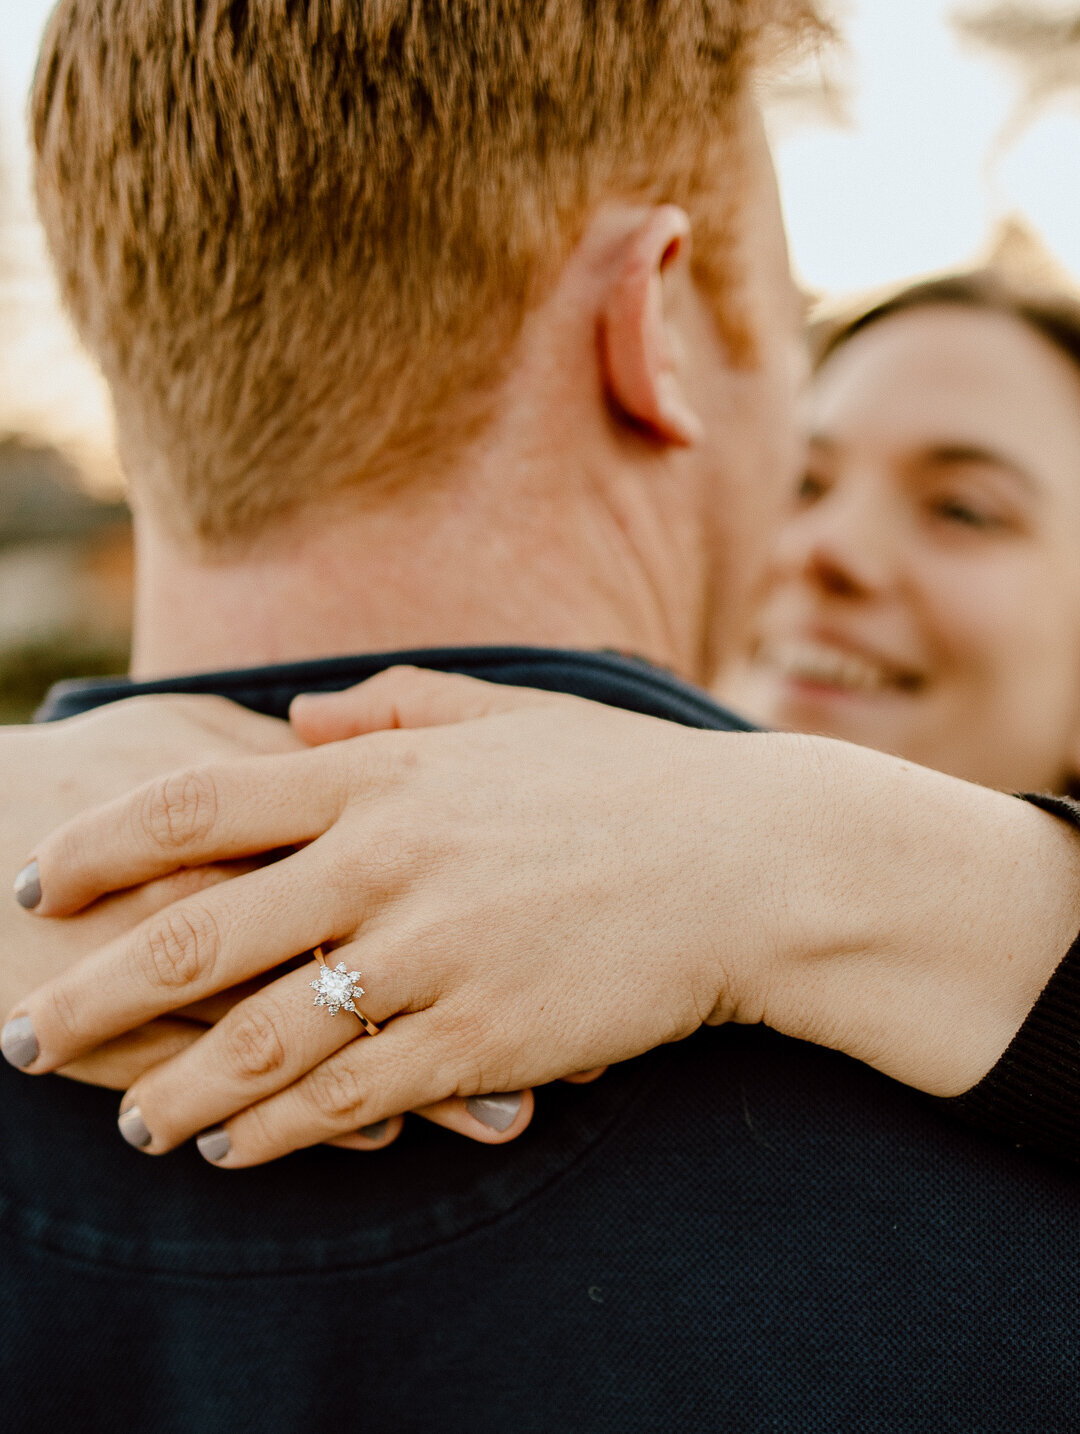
x=638, y=352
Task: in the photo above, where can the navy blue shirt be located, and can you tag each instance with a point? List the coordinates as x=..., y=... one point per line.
x=739, y=1232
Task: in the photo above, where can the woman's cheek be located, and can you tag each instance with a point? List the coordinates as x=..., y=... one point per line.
x=1010, y=661
x=979, y=630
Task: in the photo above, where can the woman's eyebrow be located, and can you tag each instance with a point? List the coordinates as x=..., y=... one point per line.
x=947, y=454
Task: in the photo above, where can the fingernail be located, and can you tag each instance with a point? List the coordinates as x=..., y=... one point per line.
x=376, y=1131
x=18, y=1043
x=498, y=1112
x=214, y=1143
x=28, y=886
x=133, y=1128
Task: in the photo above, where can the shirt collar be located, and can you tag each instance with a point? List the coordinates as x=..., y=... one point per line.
x=608, y=677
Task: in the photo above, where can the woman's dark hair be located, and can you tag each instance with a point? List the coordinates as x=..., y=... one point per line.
x=1056, y=316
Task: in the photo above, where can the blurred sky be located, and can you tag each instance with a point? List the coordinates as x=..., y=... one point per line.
x=918, y=180
x=21, y=22
x=906, y=188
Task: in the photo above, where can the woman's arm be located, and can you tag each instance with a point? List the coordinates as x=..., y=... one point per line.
x=551, y=887
x=1031, y=1095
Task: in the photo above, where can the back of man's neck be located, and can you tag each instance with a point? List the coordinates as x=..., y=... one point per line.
x=362, y=580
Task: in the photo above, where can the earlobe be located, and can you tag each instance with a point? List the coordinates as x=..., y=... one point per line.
x=638, y=351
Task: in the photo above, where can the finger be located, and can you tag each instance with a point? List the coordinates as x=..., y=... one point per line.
x=139, y=902
x=119, y=1063
x=199, y=714
x=585, y=1077
x=490, y=1119
x=185, y=953
x=408, y=1066
x=375, y=1137
x=211, y=1009
x=263, y=1044
x=405, y=697
x=202, y=814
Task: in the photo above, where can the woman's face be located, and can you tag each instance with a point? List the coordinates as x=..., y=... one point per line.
x=924, y=597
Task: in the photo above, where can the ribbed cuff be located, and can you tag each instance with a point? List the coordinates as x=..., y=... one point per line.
x=1032, y=1095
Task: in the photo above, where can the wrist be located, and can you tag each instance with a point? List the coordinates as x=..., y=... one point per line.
x=760, y=802
x=944, y=909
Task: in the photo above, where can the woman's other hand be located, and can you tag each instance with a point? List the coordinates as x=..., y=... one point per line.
x=52, y=771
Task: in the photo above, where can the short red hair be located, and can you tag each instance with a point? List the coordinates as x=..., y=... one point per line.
x=300, y=236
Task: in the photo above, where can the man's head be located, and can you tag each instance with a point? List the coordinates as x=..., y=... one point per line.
x=304, y=237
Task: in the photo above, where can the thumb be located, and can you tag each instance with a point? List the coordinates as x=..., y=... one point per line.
x=406, y=697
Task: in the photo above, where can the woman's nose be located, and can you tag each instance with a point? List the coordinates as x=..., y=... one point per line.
x=844, y=545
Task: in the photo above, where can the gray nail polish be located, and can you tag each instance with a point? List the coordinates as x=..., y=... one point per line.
x=133, y=1128
x=213, y=1143
x=376, y=1131
x=18, y=1043
x=498, y=1112
x=28, y=886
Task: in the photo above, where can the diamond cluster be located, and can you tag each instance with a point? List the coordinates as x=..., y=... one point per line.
x=337, y=988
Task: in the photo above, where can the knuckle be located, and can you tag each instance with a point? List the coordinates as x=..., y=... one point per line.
x=64, y=1014
x=403, y=679
x=253, y=1045
x=465, y=1055
x=178, y=810
x=461, y=1027
x=255, y=1132
x=337, y=1093
x=340, y=875
x=379, y=870
x=391, y=848
x=179, y=947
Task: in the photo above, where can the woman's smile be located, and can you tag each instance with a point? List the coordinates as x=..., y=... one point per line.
x=821, y=668
x=923, y=596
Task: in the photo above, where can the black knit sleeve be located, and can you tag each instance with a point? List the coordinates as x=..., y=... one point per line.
x=1032, y=1095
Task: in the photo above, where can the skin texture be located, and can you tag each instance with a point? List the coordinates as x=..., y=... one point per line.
x=469, y=924
x=934, y=540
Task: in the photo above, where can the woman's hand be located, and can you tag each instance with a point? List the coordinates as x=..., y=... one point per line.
x=54, y=770
x=553, y=886
x=481, y=879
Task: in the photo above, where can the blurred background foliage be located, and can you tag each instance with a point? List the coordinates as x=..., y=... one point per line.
x=65, y=577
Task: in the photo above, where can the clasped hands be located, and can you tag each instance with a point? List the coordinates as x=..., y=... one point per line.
x=532, y=886
x=492, y=881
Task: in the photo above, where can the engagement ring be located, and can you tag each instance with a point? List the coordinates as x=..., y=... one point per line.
x=339, y=990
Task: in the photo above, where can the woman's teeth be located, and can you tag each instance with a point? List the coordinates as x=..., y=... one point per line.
x=830, y=667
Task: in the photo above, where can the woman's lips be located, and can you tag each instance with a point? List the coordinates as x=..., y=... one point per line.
x=824, y=666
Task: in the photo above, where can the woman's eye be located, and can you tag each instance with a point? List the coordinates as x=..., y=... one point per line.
x=967, y=515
